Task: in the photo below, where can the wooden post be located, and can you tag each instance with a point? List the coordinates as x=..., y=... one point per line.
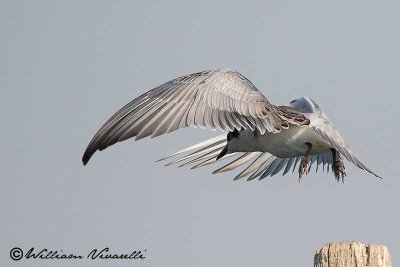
x=352, y=254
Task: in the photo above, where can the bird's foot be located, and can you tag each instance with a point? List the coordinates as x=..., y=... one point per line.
x=339, y=170
x=303, y=168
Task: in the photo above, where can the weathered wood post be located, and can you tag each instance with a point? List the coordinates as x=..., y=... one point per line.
x=352, y=254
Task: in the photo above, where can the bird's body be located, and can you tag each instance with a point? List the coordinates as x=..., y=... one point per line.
x=288, y=143
x=274, y=137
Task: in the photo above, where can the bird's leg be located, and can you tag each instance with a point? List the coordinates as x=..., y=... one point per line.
x=303, y=168
x=338, y=168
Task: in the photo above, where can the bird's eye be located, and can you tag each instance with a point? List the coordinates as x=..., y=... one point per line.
x=291, y=102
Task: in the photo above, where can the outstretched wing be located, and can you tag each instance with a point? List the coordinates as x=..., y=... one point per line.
x=327, y=131
x=220, y=99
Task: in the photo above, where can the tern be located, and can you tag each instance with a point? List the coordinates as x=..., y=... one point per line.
x=266, y=137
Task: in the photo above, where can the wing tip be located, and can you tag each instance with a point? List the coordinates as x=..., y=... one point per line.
x=87, y=156
x=85, y=159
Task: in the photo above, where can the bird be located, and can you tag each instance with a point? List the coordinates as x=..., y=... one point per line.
x=266, y=138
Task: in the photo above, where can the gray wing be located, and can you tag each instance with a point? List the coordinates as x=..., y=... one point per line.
x=218, y=99
x=327, y=131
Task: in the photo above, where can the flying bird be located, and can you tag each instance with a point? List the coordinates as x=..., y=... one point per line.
x=263, y=137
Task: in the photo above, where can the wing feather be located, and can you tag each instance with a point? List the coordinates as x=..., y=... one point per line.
x=327, y=131
x=220, y=99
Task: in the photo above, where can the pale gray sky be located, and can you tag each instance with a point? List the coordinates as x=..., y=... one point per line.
x=66, y=66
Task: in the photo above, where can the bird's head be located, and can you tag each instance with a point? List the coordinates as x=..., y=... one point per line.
x=304, y=105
